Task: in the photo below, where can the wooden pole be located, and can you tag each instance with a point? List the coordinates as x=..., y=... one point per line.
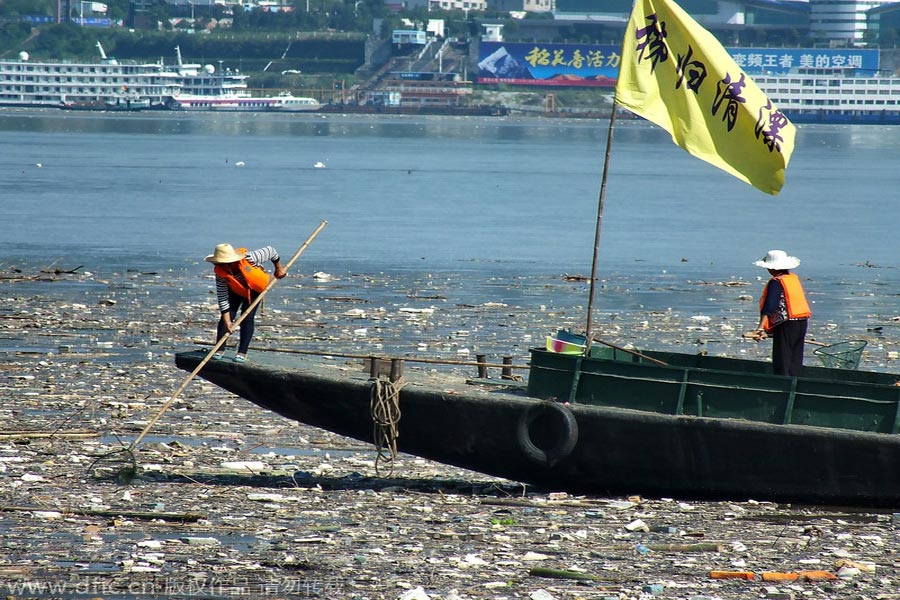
x=225, y=337
x=590, y=310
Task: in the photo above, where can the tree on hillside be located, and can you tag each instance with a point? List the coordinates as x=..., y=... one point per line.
x=12, y=35
x=311, y=15
x=27, y=7
x=66, y=39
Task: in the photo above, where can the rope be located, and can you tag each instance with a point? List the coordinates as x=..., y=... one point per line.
x=385, y=408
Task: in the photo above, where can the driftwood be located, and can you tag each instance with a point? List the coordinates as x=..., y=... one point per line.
x=702, y=547
x=49, y=270
x=96, y=512
x=562, y=574
x=58, y=271
x=579, y=575
x=549, y=504
x=74, y=434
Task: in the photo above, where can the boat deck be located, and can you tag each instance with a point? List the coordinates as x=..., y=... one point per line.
x=436, y=374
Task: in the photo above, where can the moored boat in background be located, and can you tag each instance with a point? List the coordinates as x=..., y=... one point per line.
x=834, y=95
x=241, y=101
x=96, y=84
x=119, y=103
x=112, y=85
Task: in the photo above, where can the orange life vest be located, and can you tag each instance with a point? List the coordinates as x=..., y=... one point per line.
x=256, y=277
x=794, y=299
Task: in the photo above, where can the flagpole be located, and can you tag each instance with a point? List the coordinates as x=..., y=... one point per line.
x=590, y=310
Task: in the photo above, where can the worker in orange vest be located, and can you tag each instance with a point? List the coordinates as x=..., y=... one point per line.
x=239, y=280
x=783, y=313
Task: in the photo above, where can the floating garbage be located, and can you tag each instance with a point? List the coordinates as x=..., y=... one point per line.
x=226, y=494
x=244, y=466
x=201, y=541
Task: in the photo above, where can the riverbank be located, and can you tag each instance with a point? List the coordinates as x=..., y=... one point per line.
x=230, y=501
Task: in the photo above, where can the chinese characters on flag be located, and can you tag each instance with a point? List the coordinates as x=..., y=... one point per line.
x=676, y=74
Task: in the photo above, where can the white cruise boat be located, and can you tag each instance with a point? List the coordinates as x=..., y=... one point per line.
x=113, y=85
x=203, y=88
x=239, y=102
x=203, y=81
x=833, y=95
x=71, y=84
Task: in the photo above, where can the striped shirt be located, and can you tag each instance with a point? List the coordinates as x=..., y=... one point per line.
x=255, y=257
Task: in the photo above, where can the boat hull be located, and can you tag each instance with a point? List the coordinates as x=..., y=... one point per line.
x=225, y=107
x=582, y=448
x=240, y=103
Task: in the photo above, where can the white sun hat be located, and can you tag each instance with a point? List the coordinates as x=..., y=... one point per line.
x=778, y=260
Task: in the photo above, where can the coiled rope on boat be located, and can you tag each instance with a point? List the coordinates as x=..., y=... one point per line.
x=385, y=408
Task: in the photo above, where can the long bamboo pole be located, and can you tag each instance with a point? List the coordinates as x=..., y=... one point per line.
x=225, y=337
x=435, y=361
x=590, y=310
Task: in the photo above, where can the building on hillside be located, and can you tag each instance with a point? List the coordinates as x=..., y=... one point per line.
x=532, y=6
x=493, y=32
x=404, y=37
x=274, y=5
x=415, y=89
x=463, y=5
x=140, y=15
x=433, y=27
x=883, y=24
x=207, y=6
x=842, y=22
x=721, y=15
x=436, y=27
x=734, y=22
x=758, y=22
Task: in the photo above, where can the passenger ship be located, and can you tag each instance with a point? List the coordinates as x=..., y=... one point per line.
x=202, y=88
x=113, y=85
x=833, y=95
x=63, y=84
x=284, y=102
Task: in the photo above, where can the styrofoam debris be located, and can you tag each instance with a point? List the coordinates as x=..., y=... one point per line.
x=245, y=466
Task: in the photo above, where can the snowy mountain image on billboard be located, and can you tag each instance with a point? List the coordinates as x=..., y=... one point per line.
x=502, y=65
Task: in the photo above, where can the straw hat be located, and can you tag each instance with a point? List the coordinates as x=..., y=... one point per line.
x=224, y=254
x=778, y=260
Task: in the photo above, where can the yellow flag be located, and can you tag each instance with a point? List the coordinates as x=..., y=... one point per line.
x=677, y=75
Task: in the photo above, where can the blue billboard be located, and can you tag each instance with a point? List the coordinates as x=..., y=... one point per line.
x=548, y=64
x=774, y=61
x=598, y=64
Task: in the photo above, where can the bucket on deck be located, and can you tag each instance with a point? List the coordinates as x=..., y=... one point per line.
x=843, y=355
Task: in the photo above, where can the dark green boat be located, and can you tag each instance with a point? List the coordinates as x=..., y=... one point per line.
x=713, y=387
x=619, y=422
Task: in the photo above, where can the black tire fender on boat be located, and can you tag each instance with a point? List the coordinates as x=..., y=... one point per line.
x=563, y=430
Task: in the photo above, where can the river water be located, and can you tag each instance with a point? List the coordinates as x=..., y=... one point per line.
x=438, y=193
x=478, y=219
x=478, y=200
